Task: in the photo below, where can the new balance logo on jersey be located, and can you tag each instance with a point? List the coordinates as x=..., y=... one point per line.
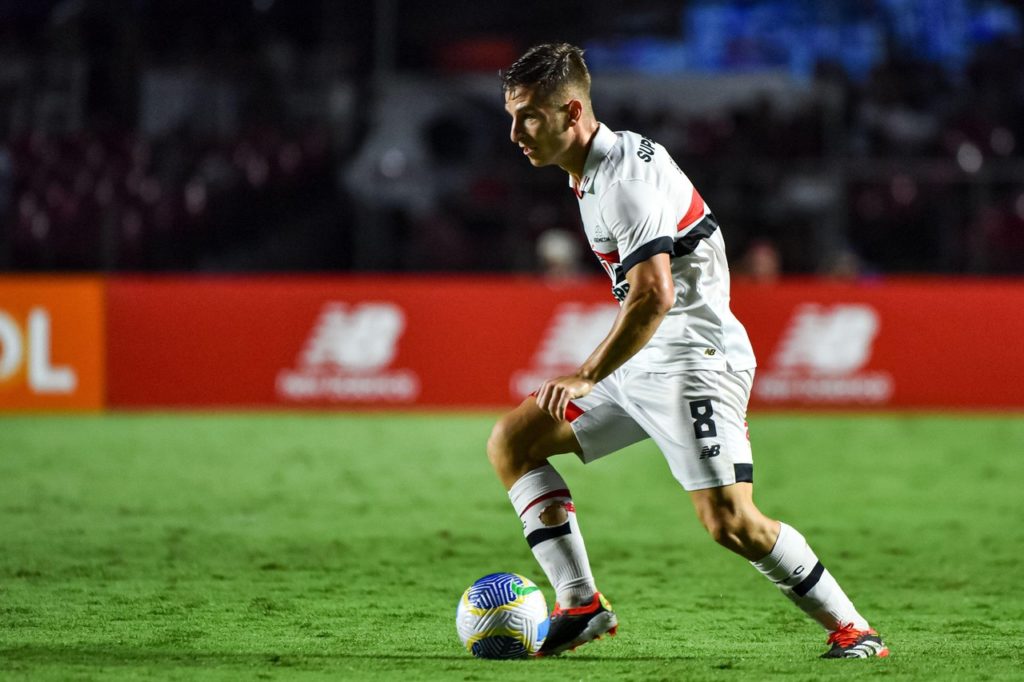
x=709, y=451
x=573, y=333
x=346, y=355
x=822, y=355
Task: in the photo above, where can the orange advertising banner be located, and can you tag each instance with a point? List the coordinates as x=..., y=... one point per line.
x=52, y=344
x=386, y=341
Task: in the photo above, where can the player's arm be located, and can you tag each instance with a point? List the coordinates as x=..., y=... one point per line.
x=651, y=295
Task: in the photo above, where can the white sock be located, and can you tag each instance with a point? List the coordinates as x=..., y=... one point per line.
x=558, y=549
x=795, y=569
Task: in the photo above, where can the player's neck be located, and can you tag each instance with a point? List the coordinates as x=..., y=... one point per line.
x=576, y=156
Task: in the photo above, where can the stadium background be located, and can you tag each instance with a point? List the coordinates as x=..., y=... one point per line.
x=275, y=207
x=846, y=144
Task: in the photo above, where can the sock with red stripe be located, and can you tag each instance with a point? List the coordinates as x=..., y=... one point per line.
x=794, y=568
x=556, y=543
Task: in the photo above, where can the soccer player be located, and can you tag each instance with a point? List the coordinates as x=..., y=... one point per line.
x=676, y=365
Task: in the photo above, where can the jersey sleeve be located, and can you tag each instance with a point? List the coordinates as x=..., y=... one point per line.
x=640, y=220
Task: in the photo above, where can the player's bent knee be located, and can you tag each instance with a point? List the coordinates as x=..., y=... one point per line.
x=718, y=528
x=750, y=536
x=723, y=524
x=499, y=444
x=509, y=445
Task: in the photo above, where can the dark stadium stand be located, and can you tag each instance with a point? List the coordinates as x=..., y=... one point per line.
x=162, y=136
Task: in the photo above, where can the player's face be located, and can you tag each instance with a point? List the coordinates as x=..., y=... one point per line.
x=540, y=128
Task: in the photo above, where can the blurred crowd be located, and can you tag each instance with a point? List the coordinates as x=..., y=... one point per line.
x=124, y=201
x=911, y=169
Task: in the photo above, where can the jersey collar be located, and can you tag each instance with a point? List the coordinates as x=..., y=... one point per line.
x=602, y=143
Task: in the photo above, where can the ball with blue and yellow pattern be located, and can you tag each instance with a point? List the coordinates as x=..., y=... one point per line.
x=502, y=615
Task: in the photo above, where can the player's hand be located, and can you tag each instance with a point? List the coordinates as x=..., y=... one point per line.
x=554, y=395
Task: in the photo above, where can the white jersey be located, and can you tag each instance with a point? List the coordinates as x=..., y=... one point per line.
x=635, y=202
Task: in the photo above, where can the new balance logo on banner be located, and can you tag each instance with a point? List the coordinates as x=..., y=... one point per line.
x=347, y=355
x=574, y=332
x=828, y=341
x=362, y=340
x=821, y=358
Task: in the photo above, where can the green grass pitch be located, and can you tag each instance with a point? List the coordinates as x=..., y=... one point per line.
x=335, y=546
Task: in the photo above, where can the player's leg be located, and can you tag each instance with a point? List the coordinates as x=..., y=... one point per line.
x=729, y=515
x=523, y=440
x=709, y=453
x=783, y=556
x=519, y=447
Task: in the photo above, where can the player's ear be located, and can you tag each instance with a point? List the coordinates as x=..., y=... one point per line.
x=575, y=108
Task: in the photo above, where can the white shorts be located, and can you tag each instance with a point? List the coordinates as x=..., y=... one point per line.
x=697, y=418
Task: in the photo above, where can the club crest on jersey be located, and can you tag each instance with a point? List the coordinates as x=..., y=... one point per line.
x=620, y=291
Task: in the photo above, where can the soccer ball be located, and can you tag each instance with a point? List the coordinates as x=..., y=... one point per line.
x=502, y=615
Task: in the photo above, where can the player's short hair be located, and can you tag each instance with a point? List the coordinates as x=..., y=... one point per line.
x=549, y=69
